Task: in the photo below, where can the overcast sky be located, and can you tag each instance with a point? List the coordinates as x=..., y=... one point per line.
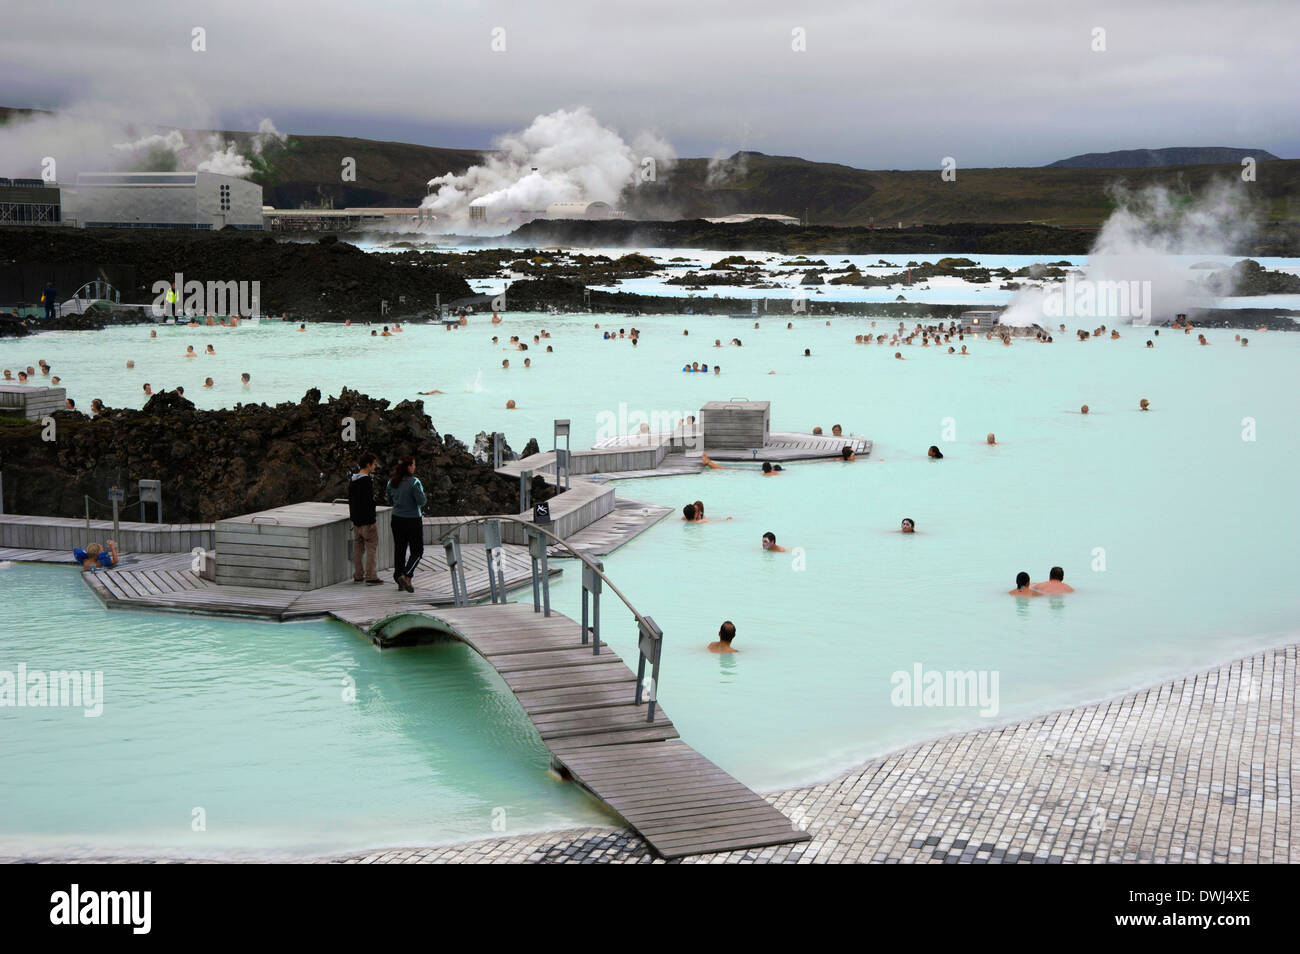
x=880, y=84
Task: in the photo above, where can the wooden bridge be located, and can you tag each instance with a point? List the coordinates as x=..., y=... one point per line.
x=599, y=719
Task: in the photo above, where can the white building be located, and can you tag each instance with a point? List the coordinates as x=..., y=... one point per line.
x=742, y=217
x=157, y=200
x=581, y=210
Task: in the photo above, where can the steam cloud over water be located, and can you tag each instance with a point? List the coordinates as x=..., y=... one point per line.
x=1136, y=245
x=564, y=156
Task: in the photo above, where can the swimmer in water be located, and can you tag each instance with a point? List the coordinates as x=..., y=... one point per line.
x=153, y=334
x=990, y=439
x=207, y=382
x=934, y=453
x=1144, y=405
x=770, y=470
x=846, y=454
x=769, y=543
x=726, y=633
x=510, y=405
x=434, y=391
x=1084, y=409
x=302, y=327
x=245, y=380
x=908, y=526
x=899, y=356
x=1022, y=586
x=211, y=350
x=505, y=364
x=189, y=351
x=1055, y=582
x=688, y=513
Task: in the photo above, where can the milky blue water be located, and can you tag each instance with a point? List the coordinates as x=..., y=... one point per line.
x=1176, y=526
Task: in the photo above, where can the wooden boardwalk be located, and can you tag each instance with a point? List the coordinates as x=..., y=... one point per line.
x=781, y=446
x=168, y=581
x=582, y=706
x=630, y=519
x=581, y=702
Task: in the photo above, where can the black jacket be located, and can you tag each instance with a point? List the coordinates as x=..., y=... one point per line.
x=361, y=500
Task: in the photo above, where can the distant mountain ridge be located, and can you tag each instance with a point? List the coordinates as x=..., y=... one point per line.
x=306, y=172
x=1153, y=158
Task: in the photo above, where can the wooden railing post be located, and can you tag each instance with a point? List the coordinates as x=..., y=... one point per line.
x=650, y=639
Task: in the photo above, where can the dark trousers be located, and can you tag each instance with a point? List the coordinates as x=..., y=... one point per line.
x=408, y=535
x=49, y=310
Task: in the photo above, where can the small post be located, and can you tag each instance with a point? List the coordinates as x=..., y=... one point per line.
x=151, y=491
x=525, y=488
x=650, y=644
x=116, y=495
x=591, y=584
x=452, y=546
x=561, y=456
x=541, y=572
x=492, y=545
x=497, y=440
x=86, y=499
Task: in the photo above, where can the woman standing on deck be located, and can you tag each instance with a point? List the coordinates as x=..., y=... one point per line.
x=406, y=494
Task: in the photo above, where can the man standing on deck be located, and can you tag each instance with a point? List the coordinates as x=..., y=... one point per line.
x=47, y=298
x=365, y=532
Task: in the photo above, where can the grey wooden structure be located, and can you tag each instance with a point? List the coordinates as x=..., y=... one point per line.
x=600, y=721
x=736, y=425
x=29, y=401
x=303, y=546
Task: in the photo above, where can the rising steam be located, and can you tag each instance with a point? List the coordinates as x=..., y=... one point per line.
x=1137, y=244
x=100, y=143
x=564, y=156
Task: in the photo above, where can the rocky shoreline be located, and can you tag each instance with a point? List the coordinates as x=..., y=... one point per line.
x=222, y=463
x=330, y=280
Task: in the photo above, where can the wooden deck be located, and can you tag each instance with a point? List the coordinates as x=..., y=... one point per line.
x=630, y=519
x=582, y=706
x=168, y=581
x=781, y=446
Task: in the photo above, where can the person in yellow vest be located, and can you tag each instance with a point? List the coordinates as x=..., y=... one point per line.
x=171, y=300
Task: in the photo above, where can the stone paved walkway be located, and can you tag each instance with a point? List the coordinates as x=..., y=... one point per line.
x=1199, y=769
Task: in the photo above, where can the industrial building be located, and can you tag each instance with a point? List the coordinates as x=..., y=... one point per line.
x=581, y=210
x=30, y=202
x=347, y=220
x=162, y=200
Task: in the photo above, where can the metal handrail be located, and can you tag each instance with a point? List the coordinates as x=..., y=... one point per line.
x=532, y=526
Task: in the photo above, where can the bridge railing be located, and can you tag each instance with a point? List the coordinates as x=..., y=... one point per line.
x=594, y=580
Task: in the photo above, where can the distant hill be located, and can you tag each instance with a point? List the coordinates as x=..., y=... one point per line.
x=1068, y=193
x=1151, y=158
x=833, y=194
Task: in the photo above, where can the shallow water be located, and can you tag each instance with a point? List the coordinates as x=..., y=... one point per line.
x=1193, y=522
